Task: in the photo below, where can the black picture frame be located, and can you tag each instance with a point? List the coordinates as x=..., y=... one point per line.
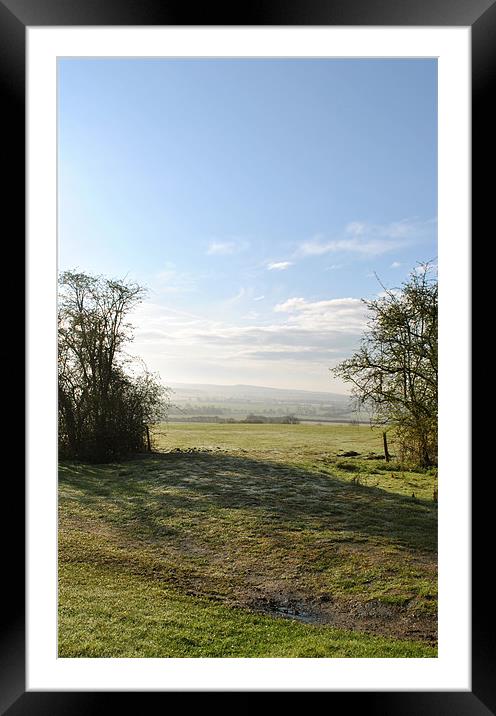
x=15, y=17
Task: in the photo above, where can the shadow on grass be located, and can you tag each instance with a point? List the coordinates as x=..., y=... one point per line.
x=145, y=491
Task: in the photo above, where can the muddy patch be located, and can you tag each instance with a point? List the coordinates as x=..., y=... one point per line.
x=373, y=617
x=289, y=608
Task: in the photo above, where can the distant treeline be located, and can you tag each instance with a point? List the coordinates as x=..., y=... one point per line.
x=281, y=420
x=263, y=419
x=285, y=419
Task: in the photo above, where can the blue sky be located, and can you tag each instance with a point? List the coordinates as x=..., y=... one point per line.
x=255, y=198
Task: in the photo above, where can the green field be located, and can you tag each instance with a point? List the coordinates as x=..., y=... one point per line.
x=249, y=541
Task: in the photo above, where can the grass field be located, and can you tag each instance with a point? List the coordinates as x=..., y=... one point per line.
x=249, y=541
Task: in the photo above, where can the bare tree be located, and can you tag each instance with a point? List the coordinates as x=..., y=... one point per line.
x=395, y=370
x=103, y=407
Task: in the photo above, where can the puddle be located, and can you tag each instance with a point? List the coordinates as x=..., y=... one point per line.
x=289, y=610
x=373, y=617
x=290, y=613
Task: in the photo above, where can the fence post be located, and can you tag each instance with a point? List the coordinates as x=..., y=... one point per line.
x=386, y=451
x=149, y=445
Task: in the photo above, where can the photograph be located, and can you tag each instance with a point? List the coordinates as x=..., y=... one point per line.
x=248, y=251
x=247, y=319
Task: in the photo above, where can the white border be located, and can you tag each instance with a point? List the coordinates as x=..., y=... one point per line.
x=451, y=670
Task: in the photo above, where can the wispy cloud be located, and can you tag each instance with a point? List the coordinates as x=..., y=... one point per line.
x=279, y=265
x=226, y=248
x=259, y=298
x=346, y=315
x=370, y=247
x=237, y=297
x=357, y=228
x=392, y=230
x=172, y=281
x=367, y=239
x=222, y=248
x=395, y=264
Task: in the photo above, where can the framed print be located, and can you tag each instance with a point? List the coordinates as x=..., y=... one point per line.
x=274, y=181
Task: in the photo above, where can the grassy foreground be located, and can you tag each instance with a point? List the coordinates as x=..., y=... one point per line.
x=248, y=541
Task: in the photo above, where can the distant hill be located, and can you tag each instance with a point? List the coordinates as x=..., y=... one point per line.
x=251, y=391
x=238, y=401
